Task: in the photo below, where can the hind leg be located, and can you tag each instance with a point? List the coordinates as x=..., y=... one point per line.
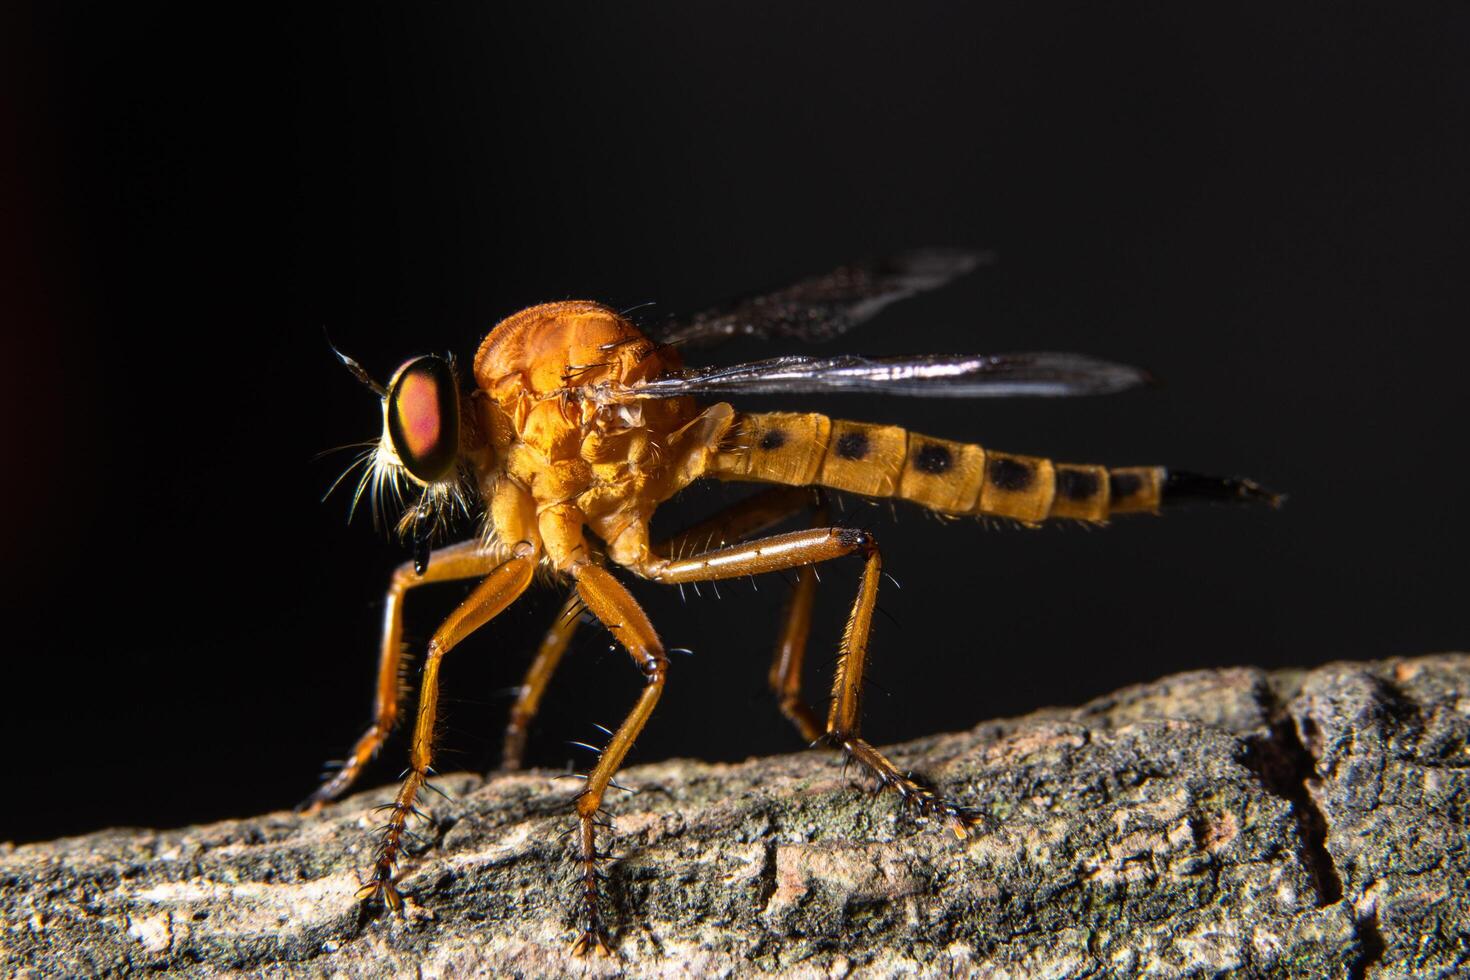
x=805, y=548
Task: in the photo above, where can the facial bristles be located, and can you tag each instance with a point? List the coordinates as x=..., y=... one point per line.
x=390, y=491
x=443, y=502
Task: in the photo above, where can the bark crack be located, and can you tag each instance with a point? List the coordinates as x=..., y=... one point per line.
x=766, y=879
x=1284, y=765
x=1365, y=927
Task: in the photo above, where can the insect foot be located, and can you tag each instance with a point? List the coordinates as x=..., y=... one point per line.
x=929, y=805
x=922, y=799
x=594, y=931
x=381, y=887
x=959, y=819
x=592, y=940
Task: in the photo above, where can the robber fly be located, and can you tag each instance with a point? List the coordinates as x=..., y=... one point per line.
x=578, y=427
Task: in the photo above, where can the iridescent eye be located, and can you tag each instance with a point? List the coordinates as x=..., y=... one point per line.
x=422, y=413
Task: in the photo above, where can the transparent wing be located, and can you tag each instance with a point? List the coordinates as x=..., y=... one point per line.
x=921, y=375
x=826, y=306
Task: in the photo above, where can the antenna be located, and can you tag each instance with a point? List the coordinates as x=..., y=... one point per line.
x=358, y=371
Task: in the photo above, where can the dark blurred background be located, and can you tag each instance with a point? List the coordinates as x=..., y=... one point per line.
x=1267, y=208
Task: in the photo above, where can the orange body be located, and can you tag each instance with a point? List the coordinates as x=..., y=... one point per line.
x=570, y=447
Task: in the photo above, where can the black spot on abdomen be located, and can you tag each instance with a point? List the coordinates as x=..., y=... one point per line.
x=1010, y=475
x=852, y=445
x=1077, y=484
x=1123, y=485
x=773, y=439
x=933, y=459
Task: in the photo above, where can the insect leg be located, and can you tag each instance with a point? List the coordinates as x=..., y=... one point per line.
x=844, y=716
x=500, y=588
x=785, y=674
x=747, y=517
x=538, y=676
x=616, y=609
x=770, y=554
x=750, y=516
x=801, y=548
x=467, y=559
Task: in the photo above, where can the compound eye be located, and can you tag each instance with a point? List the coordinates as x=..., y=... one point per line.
x=422, y=411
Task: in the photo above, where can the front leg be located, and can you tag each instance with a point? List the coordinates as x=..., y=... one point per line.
x=466, y=559
x=492, y=596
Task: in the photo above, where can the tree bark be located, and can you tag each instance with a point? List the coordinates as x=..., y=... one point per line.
x=1299, y=823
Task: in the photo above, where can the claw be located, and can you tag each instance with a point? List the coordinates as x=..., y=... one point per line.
x=591, y=941
x=382, y=889
x=960, y=826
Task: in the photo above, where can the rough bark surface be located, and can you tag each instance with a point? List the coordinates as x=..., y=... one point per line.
x=1308, y=823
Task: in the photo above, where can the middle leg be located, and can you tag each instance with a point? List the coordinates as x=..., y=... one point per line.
x=538, y=677
x=737, y=522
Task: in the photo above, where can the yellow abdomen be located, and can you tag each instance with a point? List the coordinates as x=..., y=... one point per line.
x=806, y=449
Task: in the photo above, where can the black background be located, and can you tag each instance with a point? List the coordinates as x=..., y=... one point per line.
x=1267, y=208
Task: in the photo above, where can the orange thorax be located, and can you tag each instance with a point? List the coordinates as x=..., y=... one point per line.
x=556, y=376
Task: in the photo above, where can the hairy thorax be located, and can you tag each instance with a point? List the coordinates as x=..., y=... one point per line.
x=554, y=383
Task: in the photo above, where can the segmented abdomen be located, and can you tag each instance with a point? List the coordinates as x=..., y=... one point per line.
x=803, y=449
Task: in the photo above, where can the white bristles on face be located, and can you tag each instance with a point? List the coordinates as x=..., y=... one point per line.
x=389, y=488
x=446, y=501
x=383, y=477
